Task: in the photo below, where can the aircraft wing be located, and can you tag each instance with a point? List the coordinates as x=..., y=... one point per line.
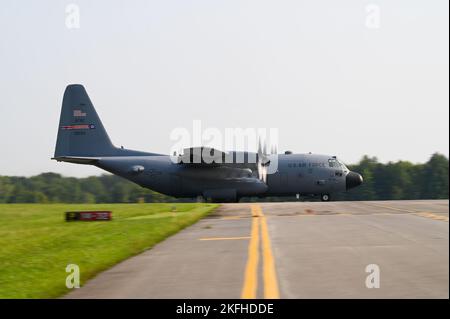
x=201, y=156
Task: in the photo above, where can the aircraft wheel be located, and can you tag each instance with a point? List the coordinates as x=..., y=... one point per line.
x=325, y=197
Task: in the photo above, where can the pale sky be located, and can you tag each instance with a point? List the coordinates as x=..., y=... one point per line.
x=313, y=69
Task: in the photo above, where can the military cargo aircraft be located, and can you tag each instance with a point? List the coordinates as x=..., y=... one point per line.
x=199, y=171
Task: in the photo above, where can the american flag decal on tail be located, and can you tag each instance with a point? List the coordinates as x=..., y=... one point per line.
x=78, y=127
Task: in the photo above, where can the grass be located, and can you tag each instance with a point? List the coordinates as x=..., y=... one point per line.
x=36, y=244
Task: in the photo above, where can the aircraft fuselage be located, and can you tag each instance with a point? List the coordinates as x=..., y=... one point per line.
x=303, y=174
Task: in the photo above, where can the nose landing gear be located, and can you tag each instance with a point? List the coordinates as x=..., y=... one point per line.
x=325, y=197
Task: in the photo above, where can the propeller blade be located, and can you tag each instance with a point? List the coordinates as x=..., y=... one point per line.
x=259, y=146
x=263, y=159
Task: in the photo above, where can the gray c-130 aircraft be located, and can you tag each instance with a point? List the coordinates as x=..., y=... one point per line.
x=82, y=139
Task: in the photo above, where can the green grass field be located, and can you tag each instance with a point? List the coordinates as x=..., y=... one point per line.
x=36, y=243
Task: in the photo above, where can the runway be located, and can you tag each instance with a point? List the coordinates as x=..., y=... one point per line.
x=293, y=250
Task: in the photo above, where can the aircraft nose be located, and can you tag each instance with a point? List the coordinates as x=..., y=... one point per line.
x=353, y=180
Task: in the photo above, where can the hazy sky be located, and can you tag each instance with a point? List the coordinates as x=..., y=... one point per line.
x=331, y=82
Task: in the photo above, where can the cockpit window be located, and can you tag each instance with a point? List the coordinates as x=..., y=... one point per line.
x=343, y=165
x=335, y=163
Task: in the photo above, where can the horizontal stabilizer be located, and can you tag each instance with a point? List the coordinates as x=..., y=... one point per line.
x=77, y=159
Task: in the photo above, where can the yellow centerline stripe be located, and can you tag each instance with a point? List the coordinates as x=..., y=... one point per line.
x=251, y=270
x=415, y=212
x=225, y=238
x=269, y=273
x=433, y=216
x=393, y=208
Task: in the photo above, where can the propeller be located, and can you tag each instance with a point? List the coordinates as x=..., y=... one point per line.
x=263, y=159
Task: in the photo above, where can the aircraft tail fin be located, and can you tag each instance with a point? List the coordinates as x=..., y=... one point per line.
x=80, y=131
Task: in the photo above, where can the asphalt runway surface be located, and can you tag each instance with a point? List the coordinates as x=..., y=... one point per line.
x=294, y=250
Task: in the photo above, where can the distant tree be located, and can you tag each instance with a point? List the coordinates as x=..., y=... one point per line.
x=435, y=177
x=40, y=197
x=6, y=189
x=366, y=191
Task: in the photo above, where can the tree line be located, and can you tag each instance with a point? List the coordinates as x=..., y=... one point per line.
x=393, y=180
x=400, y=180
